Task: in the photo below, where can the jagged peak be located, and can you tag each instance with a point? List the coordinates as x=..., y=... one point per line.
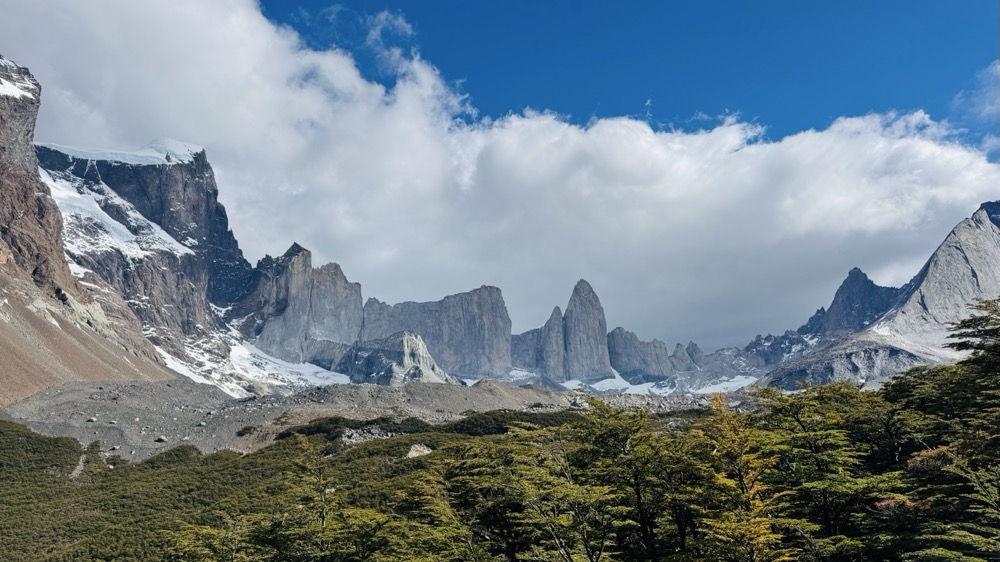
x=992, y=210
x=294, y=250
x=159, y=152
x=856, y=277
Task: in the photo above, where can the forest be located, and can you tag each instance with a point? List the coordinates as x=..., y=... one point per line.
x=826, y=473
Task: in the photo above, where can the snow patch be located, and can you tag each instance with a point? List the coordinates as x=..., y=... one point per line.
x=256, y=365
x=18, y=89
x=76, y=269
x=618, y=385
x=244, y=369
x=21, y=87
x=730, y=385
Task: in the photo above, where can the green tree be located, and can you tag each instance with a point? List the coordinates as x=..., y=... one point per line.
x=230, y=540
x=822, y=468
x=660, y=476
x=741, y=527
x=579, y=520
x=482, y=486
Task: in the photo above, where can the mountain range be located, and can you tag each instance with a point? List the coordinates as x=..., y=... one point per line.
x=122, y=266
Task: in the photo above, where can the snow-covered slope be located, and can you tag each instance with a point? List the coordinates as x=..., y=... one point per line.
x=159, y=152
x=243, y=369
x=89, y=229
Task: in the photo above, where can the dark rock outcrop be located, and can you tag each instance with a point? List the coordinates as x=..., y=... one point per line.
x=178, y=194
x=468, y=333
x=150, y=226
x=857, y=303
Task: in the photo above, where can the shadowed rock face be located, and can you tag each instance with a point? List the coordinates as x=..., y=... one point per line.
x=857, y=303
x=638, y=361
x=182, y=252
x=181, y=197
x=468, y=333
x=30, y=223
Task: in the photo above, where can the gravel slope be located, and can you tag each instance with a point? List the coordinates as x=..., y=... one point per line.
x=138, y=420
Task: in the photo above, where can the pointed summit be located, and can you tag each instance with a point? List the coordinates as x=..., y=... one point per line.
x=585, y=331
x=583, y=290
x=294, y=250
x=856, y=304
x=965, y=267
x=553, y=346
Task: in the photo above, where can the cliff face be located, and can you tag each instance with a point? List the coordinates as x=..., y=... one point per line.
x=295, y=311
x=30, y=223
x=637, y=361
x=468, y=333
x=585, y=332
x=965, y=267
x=142, y=222
x=910, y=324
x=171, y=185
x=51, y=331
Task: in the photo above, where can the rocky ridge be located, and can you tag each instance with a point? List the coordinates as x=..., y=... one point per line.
x=911, y=328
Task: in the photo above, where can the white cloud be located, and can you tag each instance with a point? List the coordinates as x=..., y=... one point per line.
x=981, y=102
x=712, y=235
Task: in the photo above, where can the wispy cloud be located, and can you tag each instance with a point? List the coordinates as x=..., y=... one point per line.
x=712, y=233
x=981, y=102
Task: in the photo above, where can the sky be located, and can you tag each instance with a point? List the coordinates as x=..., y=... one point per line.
x=713, y=169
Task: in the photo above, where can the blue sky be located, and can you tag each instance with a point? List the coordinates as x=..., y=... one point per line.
x=788, y=64
x=431, y=147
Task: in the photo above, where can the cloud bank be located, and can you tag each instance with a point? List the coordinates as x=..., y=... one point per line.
x=712, y=235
